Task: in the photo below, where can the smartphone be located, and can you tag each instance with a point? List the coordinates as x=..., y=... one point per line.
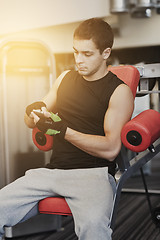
x=39, y=113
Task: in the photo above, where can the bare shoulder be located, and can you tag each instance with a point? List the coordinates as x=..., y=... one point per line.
x=123, y=88
x=59, y=79
x=51, y=97
x=63, y=74
x=122, y=102
x=122, y=95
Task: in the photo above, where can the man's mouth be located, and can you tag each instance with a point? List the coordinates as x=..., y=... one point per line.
x=81, y=68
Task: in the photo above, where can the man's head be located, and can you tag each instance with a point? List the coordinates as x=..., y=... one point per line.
x=92, y=44
x=98, y=30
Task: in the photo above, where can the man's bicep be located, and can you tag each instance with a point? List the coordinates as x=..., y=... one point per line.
x=120, y=110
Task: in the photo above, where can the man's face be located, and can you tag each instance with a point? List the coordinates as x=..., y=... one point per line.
x=89, y=61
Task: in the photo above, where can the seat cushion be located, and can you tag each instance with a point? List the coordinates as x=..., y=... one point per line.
x=54, y=205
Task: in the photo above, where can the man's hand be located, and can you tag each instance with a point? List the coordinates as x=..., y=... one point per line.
x=34, y=106
x=31, y=119
x=49, y=123
x=37, y=114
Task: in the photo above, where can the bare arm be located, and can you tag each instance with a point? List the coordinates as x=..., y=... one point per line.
x=51, y=97
x=49, y=100
x=119, y=112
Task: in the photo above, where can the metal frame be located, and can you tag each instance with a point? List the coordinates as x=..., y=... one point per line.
x=127, y=170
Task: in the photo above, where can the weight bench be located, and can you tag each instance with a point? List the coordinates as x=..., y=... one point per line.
x=138, y=135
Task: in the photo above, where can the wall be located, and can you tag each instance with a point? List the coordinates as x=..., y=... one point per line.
x=58, y=38
x=18, y=15
x=138, y=32
x=131, y=33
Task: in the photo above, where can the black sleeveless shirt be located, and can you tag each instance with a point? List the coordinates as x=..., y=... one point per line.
x=82, y=104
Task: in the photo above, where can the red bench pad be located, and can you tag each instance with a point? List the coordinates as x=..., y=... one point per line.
x=54, y=205
x=139, y=133
x=42, y=141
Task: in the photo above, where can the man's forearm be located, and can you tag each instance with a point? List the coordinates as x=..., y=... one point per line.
x=99, y=146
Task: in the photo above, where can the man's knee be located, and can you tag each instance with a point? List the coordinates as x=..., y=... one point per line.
x=94, y=226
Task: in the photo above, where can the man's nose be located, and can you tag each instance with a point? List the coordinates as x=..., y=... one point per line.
x=79, y=58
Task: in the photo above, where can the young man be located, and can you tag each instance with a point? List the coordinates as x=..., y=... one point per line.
x=93, y=105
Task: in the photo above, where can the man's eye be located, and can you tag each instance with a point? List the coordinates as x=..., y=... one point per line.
x=88, y=54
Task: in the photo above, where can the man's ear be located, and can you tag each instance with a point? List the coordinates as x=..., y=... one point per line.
x=106, y=53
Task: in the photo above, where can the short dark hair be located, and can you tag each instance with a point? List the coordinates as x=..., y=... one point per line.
x=98, y=30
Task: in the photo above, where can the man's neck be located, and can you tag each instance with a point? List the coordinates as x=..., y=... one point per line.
x=96, y=76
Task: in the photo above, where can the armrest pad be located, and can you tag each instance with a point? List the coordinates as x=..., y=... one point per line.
x=42, y=141
x=140, y=132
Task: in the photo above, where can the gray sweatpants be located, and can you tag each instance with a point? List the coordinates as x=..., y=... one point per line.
x=87, y=191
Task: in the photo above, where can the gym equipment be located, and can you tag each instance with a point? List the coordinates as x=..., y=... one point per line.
x=149, y=74
x=42, y=141
x=27, y=71
x=139, y=133
x=57, y=205
x=156, y=216
x=126, y=167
